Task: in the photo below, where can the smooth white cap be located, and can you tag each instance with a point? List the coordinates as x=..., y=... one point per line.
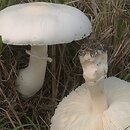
x=42, y=23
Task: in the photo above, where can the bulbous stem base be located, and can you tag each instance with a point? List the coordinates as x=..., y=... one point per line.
x=31, y=79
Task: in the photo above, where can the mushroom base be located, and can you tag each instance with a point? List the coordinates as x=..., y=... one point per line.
x=30, y=79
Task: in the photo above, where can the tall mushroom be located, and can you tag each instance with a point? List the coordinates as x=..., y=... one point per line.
x=99, y=103
x=40, y=24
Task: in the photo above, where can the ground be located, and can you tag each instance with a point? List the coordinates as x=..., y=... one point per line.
x=111, y=26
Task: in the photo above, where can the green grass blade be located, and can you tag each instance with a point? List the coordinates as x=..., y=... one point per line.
x=61, y=1
x=1, y=44
x=17, y=128
x=33, y=124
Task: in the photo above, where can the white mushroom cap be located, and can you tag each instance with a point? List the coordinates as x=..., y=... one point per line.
x=43, y=23
x=75, y=113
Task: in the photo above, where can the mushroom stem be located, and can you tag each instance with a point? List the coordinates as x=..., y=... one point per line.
x=95, y=69
x=99, y=100
x=30, y=79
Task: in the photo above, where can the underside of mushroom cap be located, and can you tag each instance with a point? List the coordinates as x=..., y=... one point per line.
x=74, y=112
x=41, y=23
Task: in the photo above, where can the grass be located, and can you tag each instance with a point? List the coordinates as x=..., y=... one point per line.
x=111, y=24
x=1, y=44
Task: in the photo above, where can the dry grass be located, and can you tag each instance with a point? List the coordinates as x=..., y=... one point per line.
x=111, y=24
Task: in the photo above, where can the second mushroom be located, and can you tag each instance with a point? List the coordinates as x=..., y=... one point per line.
x=98, y=104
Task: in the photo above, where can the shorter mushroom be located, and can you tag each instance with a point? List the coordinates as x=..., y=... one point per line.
x=40, y=24
x=99, y=103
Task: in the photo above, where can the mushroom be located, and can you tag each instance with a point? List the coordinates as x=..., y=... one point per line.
x=98, y=104
x=40, y=24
